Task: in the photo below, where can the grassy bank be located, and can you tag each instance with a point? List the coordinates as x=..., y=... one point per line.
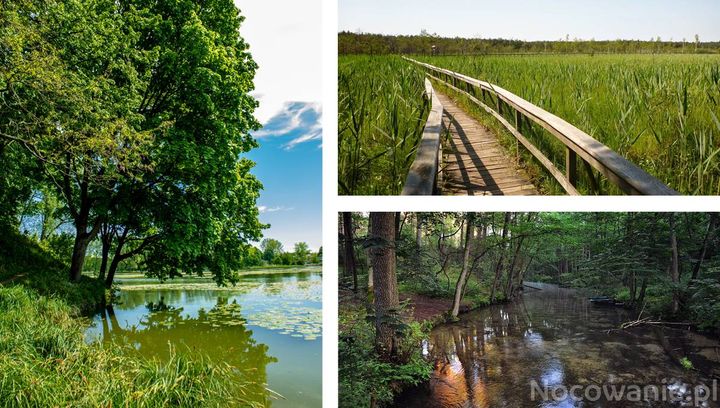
x=44, y=361
x=25, y=262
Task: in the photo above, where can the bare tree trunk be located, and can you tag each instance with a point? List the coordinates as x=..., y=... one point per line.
x=511, y=272
x=350, y=266
x=462, y=280
x=386, y=291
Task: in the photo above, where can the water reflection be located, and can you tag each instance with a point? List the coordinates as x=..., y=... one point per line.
x=552, y=337
x=267, y=327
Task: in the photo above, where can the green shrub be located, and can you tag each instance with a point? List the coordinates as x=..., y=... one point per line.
x=363, y=377
x=704, y=305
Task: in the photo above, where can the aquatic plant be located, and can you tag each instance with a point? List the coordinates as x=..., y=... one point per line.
x=381, y=117
x=686, y=363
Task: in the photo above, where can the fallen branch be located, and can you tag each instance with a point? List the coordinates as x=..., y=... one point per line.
x=647, y=321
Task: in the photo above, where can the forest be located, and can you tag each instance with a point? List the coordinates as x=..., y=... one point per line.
x=404, y=273
x=432, y=44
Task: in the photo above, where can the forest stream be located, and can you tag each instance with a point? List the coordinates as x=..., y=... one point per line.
x=555, y=338
x=268, y=326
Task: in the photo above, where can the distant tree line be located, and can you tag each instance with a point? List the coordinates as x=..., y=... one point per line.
x=430, y=44
x=271, y=252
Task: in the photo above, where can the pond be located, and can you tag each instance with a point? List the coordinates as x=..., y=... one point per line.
x=268, y=326
x=556, y=339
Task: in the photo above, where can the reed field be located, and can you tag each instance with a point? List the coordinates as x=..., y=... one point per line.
x=381, y=115
x=661, y=112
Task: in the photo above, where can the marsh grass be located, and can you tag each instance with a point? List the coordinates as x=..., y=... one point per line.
x=382, y=113
x=44, y=361
x=660, y=112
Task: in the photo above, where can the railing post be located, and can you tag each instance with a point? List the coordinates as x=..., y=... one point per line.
x=518, y=120
x=499, y=104
x=571, y=166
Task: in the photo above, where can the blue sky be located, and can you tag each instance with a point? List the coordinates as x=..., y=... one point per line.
x=285, y=41
x=536, y=20
x=289, y=164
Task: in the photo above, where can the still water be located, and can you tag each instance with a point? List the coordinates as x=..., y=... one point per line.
x=556, y=338
x=268, y=326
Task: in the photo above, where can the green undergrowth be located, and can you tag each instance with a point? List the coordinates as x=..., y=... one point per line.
x=44, y=361
x=25, y=262
x=364, y=379
x=477, y=293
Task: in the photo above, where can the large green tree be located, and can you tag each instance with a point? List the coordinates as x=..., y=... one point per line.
x=199, y=197
x=138, y=114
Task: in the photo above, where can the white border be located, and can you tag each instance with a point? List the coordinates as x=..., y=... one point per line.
x=330, y=204
x=532, y=203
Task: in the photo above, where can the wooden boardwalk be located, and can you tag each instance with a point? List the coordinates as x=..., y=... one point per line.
x=474, y=163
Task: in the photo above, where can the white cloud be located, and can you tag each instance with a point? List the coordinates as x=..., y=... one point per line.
x=298, y=121
x=292, y=116
x=285, y=40
x=265, y=209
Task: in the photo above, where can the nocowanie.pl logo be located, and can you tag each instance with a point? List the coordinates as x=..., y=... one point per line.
x=673, y=391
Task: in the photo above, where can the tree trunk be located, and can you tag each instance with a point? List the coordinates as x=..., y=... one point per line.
x=418, y=230
x=712, y=224
x=674, y=265
x=104, y=261
x=462, y=280
x=398, y=228
x=643, y=288
x=82, y=240
x=509, y=289
x=117, y=257
x=499, y=265
x=368, y=260
x=82, y=235
x=386, y=291
x=350, y=267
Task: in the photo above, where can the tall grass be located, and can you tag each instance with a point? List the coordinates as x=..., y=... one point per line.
x=381, y=117
x=660, y=112
x=44, y=361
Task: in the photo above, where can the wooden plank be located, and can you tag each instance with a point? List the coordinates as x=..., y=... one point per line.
x=422, y=175
x=554, y=171
x=626, y=175
x=474, y=163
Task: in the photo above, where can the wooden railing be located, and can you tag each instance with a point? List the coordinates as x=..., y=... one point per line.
x=422, y=178
x=625, y=175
